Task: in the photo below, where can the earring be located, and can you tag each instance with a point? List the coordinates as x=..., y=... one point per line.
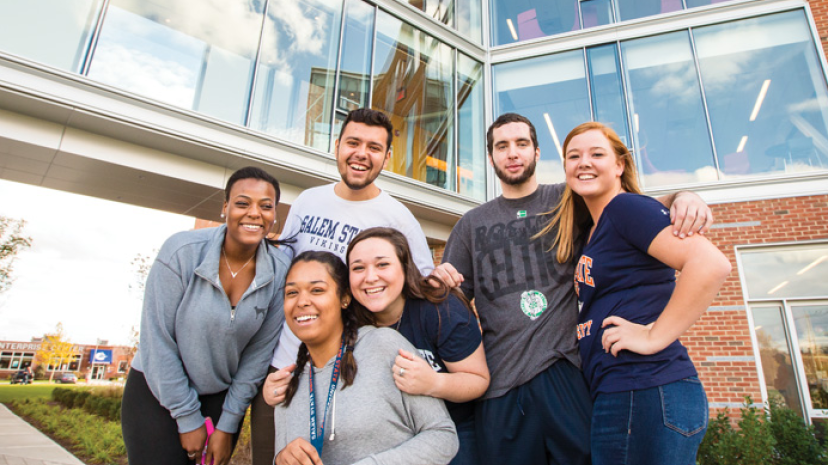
x=222, y=215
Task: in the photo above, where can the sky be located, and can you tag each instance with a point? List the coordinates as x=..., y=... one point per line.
x=78, y=269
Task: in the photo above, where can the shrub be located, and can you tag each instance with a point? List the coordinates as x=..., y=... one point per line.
x=796, y=443
x=776, y=436
x=105, y=403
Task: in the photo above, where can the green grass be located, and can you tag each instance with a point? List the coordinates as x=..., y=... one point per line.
x=10, y=393
x=94, y=439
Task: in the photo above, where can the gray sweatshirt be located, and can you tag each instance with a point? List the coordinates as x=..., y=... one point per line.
x=373, y=422
x=193, y=343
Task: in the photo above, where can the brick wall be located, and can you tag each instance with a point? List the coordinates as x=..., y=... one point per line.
x=819, y=8
x=719, y=342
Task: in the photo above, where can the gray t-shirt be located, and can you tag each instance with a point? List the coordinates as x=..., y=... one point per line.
x=525, y=298
x=372, y=421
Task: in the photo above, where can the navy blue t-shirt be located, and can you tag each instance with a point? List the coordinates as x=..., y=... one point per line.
x=447, y=332
x=616, y=277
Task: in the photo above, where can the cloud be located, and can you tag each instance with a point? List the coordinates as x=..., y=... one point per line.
x=78, y=270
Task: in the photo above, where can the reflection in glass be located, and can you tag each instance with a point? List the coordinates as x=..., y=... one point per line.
x=775, y=355
x=552, y=92
x=471, y=143
x=53, y=32
x=529, y=19
x=632, y=9
x=295, y=81
x=413, y=84
x=766, y=95
x=441, y=11
x=672, y=142
x=192, y=54
x=798, y=271
x=811, y=322
x=596, y=13
x=470, y=19
x=607, y=91
x=355, y=64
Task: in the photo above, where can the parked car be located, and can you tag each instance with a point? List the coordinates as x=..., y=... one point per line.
x=21, y=377
x=67, y=378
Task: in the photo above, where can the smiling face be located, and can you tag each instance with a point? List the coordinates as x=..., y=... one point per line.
x=377, y=279
x=250, y=211
x=313, y=305
x=593, y=170
x=514, y=156
x=361, y=154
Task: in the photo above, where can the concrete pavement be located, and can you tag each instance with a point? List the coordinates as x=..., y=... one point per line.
x=23, y=444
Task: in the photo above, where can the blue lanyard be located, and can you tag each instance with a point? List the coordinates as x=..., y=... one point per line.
x=317, y=434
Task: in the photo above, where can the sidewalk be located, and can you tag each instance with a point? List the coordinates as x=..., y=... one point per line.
x=22, y=444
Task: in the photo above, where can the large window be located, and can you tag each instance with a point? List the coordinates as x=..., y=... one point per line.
x=787, y=296
x=745, y=98
x=192, y=54
x=463, y=15
x=54, y=32
x=296, y=74
x=471, y=135
x=413, y=83
x=15, y=360
x=672, y=144
x=516, y=21
x=290, y=69
x=531, y=19
x=766, y=95
x=552, y=92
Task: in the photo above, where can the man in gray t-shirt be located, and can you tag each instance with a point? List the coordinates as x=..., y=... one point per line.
x=537, y=408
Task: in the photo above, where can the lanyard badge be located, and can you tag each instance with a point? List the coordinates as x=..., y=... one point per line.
x=317, y=434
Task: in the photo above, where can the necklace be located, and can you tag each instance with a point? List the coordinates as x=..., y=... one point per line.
x=227, y=262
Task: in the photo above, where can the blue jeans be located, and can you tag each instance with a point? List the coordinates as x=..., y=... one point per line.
x=663, y=425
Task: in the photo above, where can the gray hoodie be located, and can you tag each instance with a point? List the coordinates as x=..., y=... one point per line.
x=192, y=343
x=372, y=422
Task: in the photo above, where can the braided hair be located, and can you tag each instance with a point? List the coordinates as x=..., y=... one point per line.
x=351, y=322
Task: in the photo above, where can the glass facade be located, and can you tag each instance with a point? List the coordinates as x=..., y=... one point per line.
x=517, y=21
x=203, y=62
x=722, y=100
x=463, y=15
x=740, y=99
x=786, y=294
x=290, y=69
x=54, y=32
x=293, y=98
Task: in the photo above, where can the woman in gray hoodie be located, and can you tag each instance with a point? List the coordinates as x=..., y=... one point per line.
x=342, y=406
x=211, y=318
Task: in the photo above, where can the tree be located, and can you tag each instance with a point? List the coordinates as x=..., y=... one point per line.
x=11, y=243
x=56, y=350
x=141, y=265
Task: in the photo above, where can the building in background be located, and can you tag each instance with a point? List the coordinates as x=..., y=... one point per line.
x=100, y=361
x=156, y=104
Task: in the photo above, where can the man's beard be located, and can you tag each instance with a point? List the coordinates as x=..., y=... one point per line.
x=528, y=172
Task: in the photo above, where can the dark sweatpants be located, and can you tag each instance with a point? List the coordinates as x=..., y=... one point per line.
x=545, y=421
x=150, y=433
x=262, y=431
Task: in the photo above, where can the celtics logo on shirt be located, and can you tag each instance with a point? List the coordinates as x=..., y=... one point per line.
x=533, y=303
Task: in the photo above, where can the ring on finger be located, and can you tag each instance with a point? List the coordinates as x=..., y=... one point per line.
x=402, y=371
x=191, y=455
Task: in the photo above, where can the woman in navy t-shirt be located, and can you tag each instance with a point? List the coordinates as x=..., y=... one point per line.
x=649, y=405
x=451, y=364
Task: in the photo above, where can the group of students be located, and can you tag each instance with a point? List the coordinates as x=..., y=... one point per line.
x=382, y=358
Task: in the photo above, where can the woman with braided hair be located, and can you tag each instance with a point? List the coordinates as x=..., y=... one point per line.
x=342, y=405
